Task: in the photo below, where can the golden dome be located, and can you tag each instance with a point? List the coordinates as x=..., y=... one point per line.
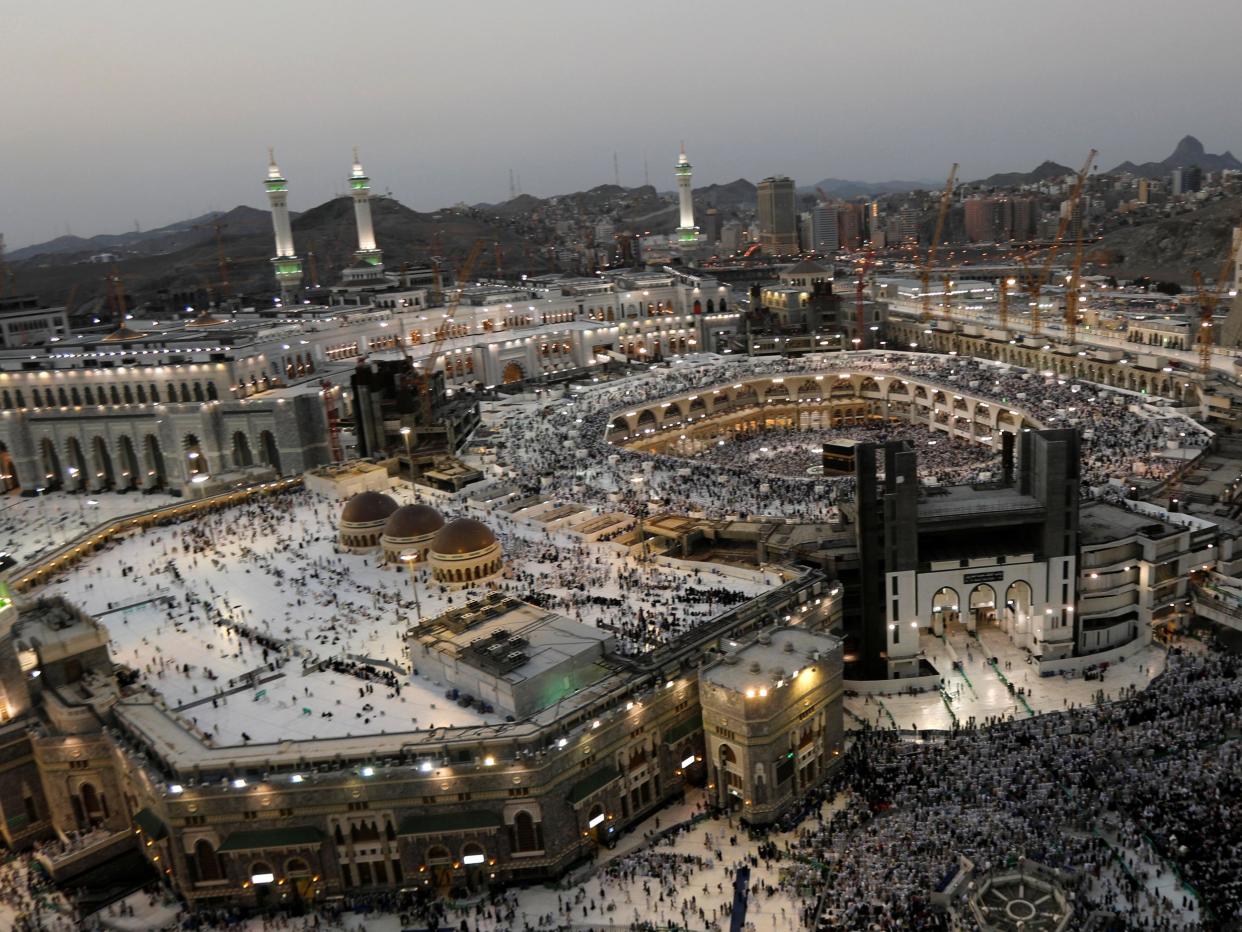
x=413, y=521
x=368, y=508
x=465, y=535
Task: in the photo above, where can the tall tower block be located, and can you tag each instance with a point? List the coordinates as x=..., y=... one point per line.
x=287, y=265
x=360, y=187
x=686, y=230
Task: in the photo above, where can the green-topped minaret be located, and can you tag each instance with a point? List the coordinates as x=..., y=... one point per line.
x=287, y=265
x=360, y=188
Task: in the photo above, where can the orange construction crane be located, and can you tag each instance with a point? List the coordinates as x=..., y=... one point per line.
x=1005, y=284
x=1208, y=302
x=946, y=198
x=1072, y=288
x=450, y=308
x=1036, y=283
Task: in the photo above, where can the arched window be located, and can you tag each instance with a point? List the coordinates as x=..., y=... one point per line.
x=206, y=860
x=89, y=394
x=526, y=834
x=142, y=393
x=64, y=398
x=127, y=393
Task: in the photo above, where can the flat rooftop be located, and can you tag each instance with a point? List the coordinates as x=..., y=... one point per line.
x=787, y=650
x=1100, y=522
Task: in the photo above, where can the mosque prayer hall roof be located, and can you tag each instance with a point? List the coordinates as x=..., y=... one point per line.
x=465, y=535
x=413, y=521
x=368, y=507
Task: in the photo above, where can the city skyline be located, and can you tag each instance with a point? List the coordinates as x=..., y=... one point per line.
x=553, y=93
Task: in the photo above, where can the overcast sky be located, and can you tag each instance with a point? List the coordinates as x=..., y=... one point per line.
x=157, y=111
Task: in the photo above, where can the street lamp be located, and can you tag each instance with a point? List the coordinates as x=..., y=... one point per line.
x=409, y=559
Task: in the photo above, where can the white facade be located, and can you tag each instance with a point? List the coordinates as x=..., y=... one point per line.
x=686, y=230
x=287, y=265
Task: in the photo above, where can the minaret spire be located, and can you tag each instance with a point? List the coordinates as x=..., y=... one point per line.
x=287, y=265
x=687, y=233
x=360, y=187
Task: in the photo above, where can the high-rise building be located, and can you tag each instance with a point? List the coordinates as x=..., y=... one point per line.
x=360, y=188
x=287, y=265
x=850, y=225
x=824, y=239
x=778, y=216
x=980, y=219
x=1144, y=191
x=711, y=225
x=687, y=233
x=730, y=237
x=908, y=224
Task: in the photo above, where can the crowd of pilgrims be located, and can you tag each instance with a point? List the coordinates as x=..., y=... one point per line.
x=1159, y=773
x=564, y=452
x=238, y=601
x=788, y=451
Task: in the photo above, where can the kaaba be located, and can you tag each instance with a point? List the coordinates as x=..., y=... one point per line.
x=839, y=457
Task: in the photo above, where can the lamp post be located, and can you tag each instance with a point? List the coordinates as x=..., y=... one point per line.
x=405, y=435
x=409, y=559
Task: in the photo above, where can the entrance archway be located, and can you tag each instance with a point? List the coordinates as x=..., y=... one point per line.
x=77, y=466
x=8, y=472
x=512, y=373
x=982, y=606
x=268, y=452
x=946, y=609
x=196, y=460
x=129, y=464
x=1016, y=619
x=52, y=476
x=104, y=476
x=155, y=462
x=241, y=451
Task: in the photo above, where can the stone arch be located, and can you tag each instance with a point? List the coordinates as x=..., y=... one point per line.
x=242, y=457
x=1018, y=606
x=868, y=384
x=53, y=478
x=206, y=861
x=77, y=464
x=154, y=458
x=196, y=459
x=104, y=474
x=269, y=453
x=513, y=372
x=946, y=604
x=129, y=463
x=981, y=604
x=646, y=420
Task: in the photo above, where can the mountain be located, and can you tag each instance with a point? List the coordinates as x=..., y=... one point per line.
x=1170, y=248
x=728, y=197
x=163, y=239
x=1045, y=171
x=327, y=232
x=839, y=187
x=1189, y=152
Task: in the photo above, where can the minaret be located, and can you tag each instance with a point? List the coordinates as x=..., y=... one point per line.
x=360, y=185
x=686, y=231
x=286, y=263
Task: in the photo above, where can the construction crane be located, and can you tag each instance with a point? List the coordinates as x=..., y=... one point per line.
x=1036, y=282
x=946, y=198
x=860, y=322
x=1072, y=288
x=450, y=308
x=1208, y=302
x=1005, y=284
x=221, y=260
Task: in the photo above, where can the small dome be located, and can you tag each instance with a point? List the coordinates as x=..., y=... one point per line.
x=465, y=535
x=413, y=521
x=368, y=508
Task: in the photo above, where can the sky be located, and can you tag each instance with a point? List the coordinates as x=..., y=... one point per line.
x=152, y=112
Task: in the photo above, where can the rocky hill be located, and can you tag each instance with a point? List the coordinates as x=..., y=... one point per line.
x=327, y=232
x=1171, y=248
x=1045, y=171
x=1189, y=152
